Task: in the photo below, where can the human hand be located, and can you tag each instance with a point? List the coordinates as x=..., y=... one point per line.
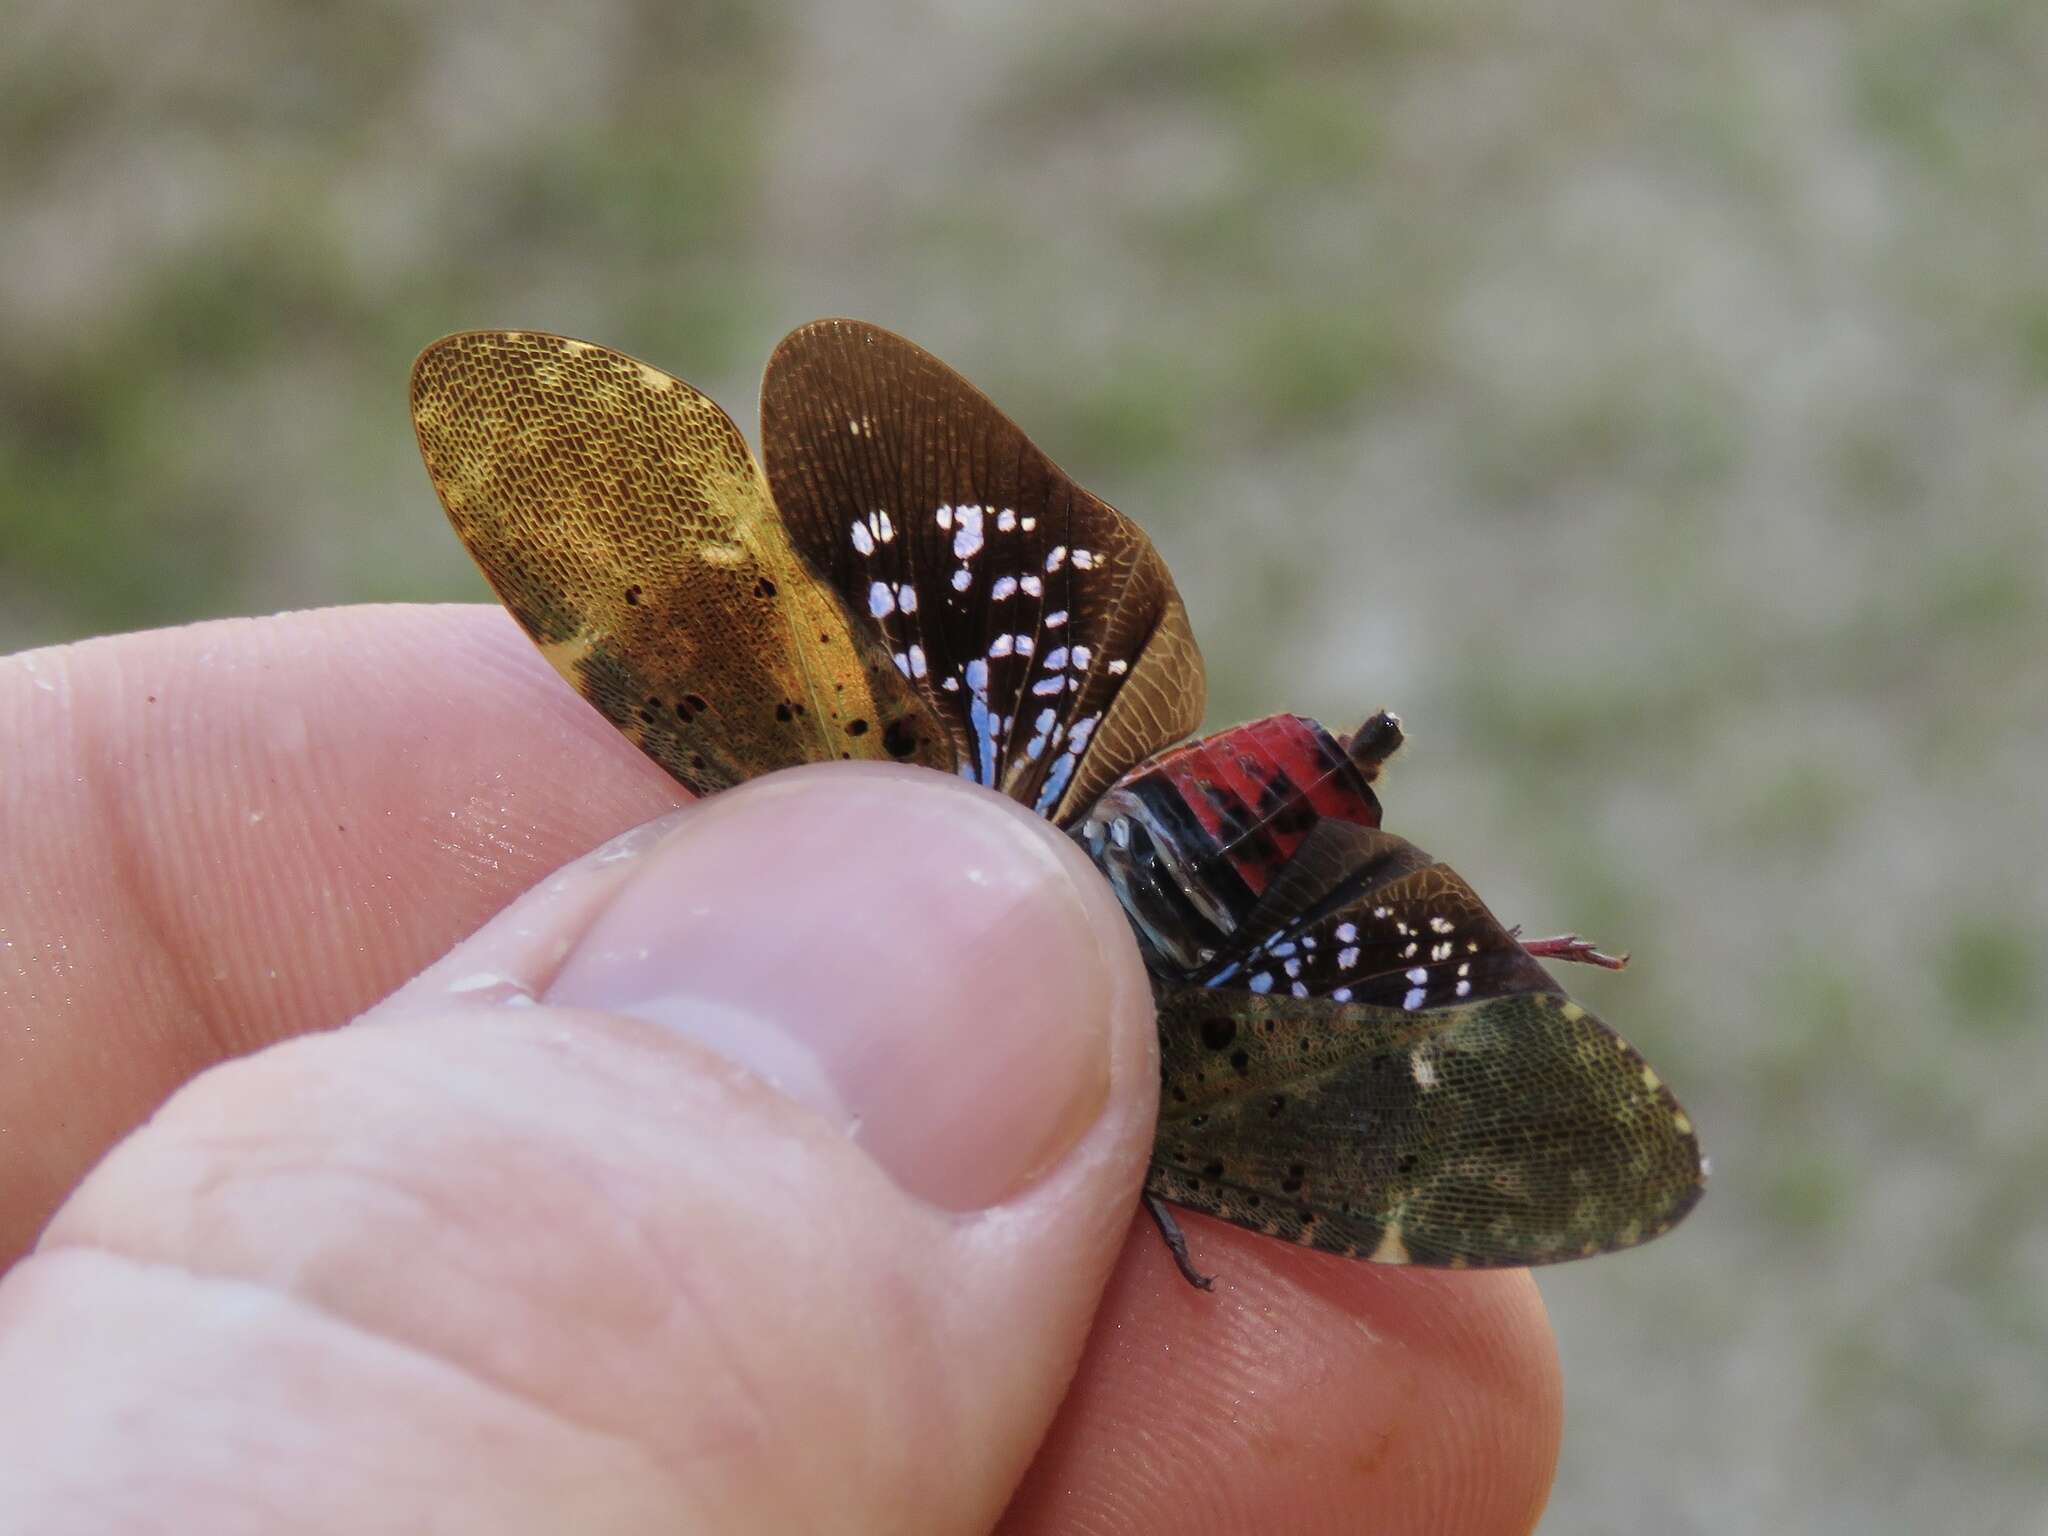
x=533, y=1245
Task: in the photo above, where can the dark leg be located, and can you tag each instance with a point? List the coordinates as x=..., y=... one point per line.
x=1177, y=1244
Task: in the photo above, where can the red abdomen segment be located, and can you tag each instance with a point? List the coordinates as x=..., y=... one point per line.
x=1255, y=790
x=1192, y=839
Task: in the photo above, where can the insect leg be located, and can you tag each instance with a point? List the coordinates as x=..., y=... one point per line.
x=1569, y=946
x=1177, y=1244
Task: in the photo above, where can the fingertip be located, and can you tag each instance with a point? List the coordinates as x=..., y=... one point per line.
x=1307, y=1393
x=923, y=962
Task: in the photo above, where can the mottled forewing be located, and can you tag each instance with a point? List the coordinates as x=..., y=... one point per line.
x=1518, y=1130
x=1379, y=1069
x=621, y=519
x=1037, y=621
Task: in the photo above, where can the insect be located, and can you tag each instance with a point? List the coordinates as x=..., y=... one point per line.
x=1356, y=1054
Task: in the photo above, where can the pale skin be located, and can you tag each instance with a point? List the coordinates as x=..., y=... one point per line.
x=526, y=1249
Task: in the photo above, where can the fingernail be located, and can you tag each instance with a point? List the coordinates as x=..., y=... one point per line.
x=906, y=954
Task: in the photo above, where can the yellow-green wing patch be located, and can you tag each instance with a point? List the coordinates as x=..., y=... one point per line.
x=620, y=517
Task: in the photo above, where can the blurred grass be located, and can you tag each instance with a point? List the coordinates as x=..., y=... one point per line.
x=1652, y=407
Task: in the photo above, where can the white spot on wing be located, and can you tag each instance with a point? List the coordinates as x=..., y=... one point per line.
x=967, y=539
x=1391, y=1249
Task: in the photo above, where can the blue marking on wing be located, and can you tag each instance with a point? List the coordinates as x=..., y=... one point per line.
x=1055, y=783
x=983, y=722
x=984, y=734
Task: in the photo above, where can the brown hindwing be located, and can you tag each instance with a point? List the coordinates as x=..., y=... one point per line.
x=1036, y=620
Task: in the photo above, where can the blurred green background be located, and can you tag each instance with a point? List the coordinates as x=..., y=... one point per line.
x=1649, y=401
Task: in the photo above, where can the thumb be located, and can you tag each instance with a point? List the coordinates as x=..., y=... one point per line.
x=757, y=1172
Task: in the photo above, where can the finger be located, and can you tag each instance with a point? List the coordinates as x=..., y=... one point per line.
x=1306, y=1394
x=494, y=727
x=764, y=1178
x=224, y=835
